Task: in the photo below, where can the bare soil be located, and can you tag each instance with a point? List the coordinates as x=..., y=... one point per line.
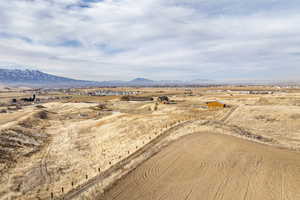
x=213, y=166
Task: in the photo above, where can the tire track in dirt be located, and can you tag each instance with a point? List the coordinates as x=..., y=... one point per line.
x=252, y=173
x=156, y=180
x=43, y=164
x=138, y=178
x=233, y=109
x=230, y=168
x=44, y=169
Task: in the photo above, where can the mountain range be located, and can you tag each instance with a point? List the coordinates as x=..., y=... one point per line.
x=28, y=77
x=36, y=78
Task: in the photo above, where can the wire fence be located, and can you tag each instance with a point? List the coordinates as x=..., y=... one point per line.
x=59, y=194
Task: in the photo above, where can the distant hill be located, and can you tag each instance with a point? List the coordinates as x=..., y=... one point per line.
x=27, y=77
x=36, y=78
x=140, y=81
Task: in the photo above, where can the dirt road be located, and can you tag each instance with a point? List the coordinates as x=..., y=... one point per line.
x=211, y=166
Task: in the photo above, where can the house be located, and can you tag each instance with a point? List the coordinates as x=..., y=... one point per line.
x=261, y=92
x=215, y=104
x=163, y=99
x=136, y=98
x=30, y=99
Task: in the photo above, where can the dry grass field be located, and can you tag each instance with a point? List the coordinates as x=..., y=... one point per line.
x=89, y=147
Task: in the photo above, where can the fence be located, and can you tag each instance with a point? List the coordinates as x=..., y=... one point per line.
x=73, y=184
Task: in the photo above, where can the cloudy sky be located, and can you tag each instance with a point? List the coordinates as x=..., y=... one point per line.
x=156, y=39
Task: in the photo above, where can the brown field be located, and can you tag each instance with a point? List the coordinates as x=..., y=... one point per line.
x=79, y=147
x=212, y=166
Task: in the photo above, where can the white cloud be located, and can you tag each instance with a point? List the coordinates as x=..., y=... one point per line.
x=157, y=39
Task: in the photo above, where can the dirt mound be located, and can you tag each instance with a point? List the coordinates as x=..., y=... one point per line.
x=211, y=166
x=35, y=120
x=295, y=116
x=41, y=115
x=240, y=131
x=23, y=139
x=263, y=101
x=19, y=142
x=40, y=106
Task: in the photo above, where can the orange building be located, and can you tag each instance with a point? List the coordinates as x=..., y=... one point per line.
x=215, y=104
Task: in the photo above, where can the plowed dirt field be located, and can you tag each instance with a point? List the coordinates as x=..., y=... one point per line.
x=212, y=166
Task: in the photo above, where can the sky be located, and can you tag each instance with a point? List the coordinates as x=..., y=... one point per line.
x=156, y=39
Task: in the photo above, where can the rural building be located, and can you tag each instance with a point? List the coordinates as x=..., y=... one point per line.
x=111, y=93
x=163, y=99
x=136, y=98
x=30, y=99
x=215, y=104
x=261, y=92
x=188, y=92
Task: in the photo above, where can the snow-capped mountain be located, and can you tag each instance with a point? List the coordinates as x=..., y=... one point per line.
x=35, y=77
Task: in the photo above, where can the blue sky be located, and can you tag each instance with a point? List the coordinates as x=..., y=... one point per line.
x=156, y=39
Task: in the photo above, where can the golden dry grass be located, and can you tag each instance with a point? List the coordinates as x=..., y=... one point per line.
x=82, y=138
